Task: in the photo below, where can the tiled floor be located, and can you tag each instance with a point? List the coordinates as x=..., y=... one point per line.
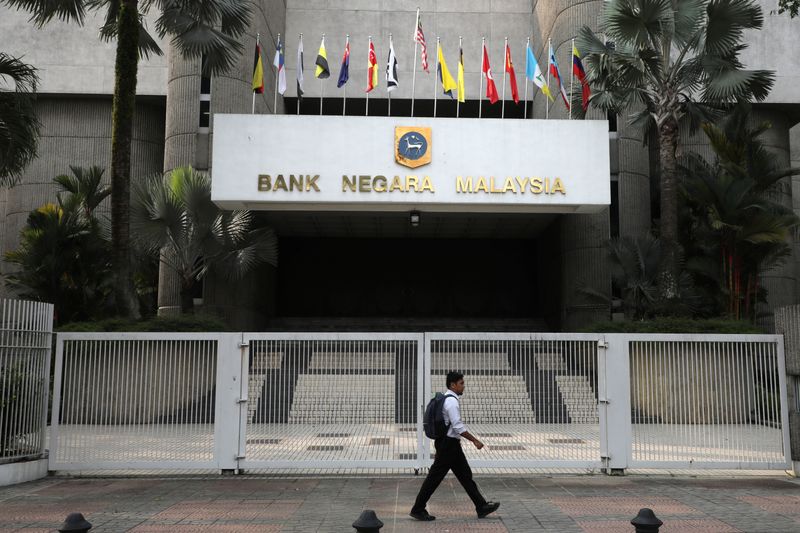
x=545, y=502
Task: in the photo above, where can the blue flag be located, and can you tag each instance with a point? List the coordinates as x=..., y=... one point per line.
x=344, y=72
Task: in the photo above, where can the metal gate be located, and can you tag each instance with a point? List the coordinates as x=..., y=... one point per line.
x=355, y=401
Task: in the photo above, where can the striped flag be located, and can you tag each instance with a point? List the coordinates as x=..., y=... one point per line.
x=554, y=71
x=372, y=68
x=419, y=37
x=577, y=69
x=391, y=69
x=258, y=71
x=279, y=64
x=322, y=72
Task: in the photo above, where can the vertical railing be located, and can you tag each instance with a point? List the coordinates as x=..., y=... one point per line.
x=25, y=343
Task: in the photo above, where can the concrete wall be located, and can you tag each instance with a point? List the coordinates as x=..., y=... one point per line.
x=72, y=59
x=77, y=131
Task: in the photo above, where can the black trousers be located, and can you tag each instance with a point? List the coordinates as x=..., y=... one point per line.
x=449, y=456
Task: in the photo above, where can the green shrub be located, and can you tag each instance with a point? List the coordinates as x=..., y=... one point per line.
x=675, y=325
x=182, y=323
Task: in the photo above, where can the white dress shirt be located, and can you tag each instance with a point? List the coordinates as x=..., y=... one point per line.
x=452, y=415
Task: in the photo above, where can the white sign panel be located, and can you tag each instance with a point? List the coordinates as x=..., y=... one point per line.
x=323, y=163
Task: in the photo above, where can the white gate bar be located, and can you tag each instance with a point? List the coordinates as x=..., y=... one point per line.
x=616, y=403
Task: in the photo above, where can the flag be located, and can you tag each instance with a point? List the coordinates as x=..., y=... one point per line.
x=391, y=69
x=534, y=73
x=557, y=74
x=372, y=68
x=577, y=69
x=448, y=83
x=279, y=64
x=512, y=76
x=420, y=38
x=258, y=71
x=299, y=66
x=462, y=93
x=322, y=71
x=491, y=89
x=344, y=72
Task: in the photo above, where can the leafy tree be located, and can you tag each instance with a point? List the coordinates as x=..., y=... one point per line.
x=63, y=255
x=789, y=6
x=199, y=28
x=19, y=127
x=729, y=202
x=663, y=58
x=173, y=216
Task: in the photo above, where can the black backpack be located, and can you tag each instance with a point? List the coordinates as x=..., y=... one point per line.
x=433, y=424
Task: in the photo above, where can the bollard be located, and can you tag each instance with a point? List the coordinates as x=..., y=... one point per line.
x=75, y=523
x=368, y=522
x=646, y=521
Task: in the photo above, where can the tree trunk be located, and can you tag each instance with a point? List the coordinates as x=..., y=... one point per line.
x=125, y=69
x=187, y=301
x=667, y=155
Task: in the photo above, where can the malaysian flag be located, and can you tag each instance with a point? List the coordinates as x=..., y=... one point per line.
x=419, y=37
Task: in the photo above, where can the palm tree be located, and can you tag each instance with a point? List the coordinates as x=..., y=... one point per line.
x=201, y=28
x=173, y=217
x=667, y=58
x=19, y=127
x=86, y=185
x=729, y=200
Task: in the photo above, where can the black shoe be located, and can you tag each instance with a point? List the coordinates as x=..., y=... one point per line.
x=422, y=515
x=487, y=509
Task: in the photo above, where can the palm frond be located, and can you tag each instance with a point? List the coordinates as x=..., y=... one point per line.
x=43, y=12
x=727, y=20
x=736, y=85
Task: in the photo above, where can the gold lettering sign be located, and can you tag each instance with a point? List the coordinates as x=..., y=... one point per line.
x=412, y=146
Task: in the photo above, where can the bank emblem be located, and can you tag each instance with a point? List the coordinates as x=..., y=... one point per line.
x=412, y=146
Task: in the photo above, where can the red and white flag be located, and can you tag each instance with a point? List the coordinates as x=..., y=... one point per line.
x=491, y=88
x=419, y=37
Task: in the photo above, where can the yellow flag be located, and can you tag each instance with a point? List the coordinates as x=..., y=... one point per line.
x=322, y=71
x=448, y=83
x=462, y=92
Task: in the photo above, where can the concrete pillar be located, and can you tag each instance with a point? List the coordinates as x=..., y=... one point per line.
x=787, y=323
x=633, y=171
x=794, y=159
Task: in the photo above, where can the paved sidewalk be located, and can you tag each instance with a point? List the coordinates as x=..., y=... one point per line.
x=563, y=503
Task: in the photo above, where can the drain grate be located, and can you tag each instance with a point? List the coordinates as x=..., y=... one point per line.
x=378, y=441
x=407, y=429
x=566, y=441
x=406, y=456
x=497, y=435
x=333, y=435
x=263, y=441
x=325, y=448
x=507, y=447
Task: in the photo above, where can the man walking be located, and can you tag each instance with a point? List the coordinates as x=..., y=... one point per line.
x=450, y=456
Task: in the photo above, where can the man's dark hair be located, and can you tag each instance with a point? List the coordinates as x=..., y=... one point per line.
x=453, y=377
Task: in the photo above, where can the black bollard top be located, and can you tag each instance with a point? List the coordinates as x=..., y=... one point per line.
x=75, y=522
x=368, y=520
x=646, y=520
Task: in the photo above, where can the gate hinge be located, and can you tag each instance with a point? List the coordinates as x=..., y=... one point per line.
x=602, y=344
x=239, y=457
x=606, y=457
x=244, y=345
x=603, y=400
x=242, y=400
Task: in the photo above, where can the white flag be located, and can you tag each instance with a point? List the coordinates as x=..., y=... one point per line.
x=391, y=70
x=278, y=63
x=299, y=66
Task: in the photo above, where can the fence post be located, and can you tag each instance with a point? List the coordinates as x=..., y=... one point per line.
x=227, y=431
x=787, y=323
x=617, y=403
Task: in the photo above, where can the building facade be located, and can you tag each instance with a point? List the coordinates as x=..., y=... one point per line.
x=371, y=268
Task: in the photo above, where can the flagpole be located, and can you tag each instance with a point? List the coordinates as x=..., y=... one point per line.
x=458, y=101
x=571, y=78
x=299, y=98
x=547, y=103
x=275, y=99
x=505, y=67
x=436, y=79
x=258, y=41
x=527, y=46
x=389, y=113
x=414, y=76
x=480, y=90
x=344, y=102
x=369, y=43
x=322, y=85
